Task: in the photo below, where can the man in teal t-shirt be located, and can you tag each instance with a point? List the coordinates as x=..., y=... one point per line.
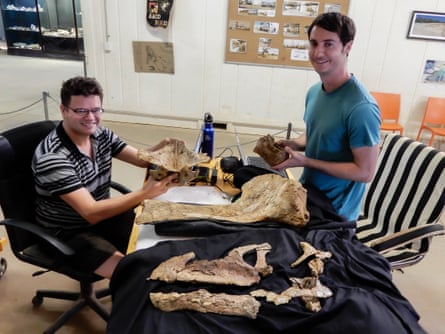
x=342, y=121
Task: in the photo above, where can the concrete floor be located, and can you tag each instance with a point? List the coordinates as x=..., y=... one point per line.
x=22, y=82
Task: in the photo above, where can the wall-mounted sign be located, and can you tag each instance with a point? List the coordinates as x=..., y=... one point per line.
x=158, y=12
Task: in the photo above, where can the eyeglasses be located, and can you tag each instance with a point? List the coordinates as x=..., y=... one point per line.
x=85, y=111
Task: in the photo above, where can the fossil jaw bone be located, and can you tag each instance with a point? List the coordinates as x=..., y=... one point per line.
x=232, y=269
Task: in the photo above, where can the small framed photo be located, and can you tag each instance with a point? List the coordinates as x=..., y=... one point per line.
x=427, y=25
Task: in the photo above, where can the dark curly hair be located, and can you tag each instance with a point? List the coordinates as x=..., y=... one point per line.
x=80, y=86
x=335, y=22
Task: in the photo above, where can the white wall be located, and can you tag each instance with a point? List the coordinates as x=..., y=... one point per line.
x=252, y=97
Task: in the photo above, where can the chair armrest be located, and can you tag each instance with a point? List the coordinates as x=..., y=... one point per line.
x=40, y=232
x=398, y=239
x=119, y=187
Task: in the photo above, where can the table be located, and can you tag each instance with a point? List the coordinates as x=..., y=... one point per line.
x=364, y=296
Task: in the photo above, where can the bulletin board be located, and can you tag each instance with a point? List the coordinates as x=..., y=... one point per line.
x=273, y=32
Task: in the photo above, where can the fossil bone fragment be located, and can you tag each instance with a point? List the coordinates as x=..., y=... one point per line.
x=206, y=302
x=261, y=251
x=308, y=288
x=174, y=157
x=264, y=197
x=314, y=256
x=232, y=269
x=185, y=174
x=267, y=149
x=312, y=303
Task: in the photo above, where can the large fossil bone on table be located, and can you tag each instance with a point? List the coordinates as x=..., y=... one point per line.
x=232, y=269
x=174, y=157
x=264, y=197
x=203, y=301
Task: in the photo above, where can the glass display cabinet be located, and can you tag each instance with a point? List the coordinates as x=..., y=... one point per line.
x=48, y=28
x=22, y=26
x=61, y=26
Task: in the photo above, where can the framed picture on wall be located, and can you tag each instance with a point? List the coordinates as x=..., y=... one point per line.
x=427, y=25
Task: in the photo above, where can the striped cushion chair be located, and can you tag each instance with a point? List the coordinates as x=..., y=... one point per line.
x=403, y=204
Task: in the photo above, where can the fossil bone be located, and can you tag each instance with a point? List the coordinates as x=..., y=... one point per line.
x=185, y=174
x=314, y=256
x=312, y=303
x=174, y=157
x=203, y=301
x=308, y=288
x=264, y=197
x=232, y=269
x=267, y=149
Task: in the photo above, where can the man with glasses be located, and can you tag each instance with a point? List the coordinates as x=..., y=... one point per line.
x=72, y=173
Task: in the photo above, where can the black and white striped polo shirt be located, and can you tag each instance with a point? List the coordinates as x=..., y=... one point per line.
x=59, y=168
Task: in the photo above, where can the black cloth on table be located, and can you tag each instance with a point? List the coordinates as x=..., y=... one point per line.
x=364, y=300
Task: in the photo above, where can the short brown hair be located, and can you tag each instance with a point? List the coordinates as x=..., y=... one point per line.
x=80, y=86
x=335, y=22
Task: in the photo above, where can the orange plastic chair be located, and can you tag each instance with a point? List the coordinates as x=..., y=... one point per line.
x=433, y=118
x=389, y=104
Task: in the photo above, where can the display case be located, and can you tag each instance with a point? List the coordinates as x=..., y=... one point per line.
x=49, y=28
x=61, y=27
x=22, y=26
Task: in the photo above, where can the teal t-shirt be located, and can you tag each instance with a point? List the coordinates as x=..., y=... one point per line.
x=336, y=123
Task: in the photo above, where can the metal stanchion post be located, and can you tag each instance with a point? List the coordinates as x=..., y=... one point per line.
x=45, y=104
x=84, y=66
x=289, y=130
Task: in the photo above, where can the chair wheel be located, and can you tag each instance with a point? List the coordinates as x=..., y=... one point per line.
x=3, y=266
x=37, y=301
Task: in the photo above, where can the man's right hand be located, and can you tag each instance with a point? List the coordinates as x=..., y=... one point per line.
x=153, y=188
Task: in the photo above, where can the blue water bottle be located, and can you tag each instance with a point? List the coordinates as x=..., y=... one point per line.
x=208, y=135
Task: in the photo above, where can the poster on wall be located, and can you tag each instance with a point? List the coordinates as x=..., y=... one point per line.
x=434, y=72
x=273, y=32
x=153, y=57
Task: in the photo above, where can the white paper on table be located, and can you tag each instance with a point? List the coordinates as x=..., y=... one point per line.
x=196, y=195
x=199, y=195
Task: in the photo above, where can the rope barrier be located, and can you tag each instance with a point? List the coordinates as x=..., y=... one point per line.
x=21, y=109
x=46, y=96
x=44, y=99
x=52, y=98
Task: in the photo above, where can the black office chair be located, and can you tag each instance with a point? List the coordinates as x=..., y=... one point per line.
x=29, y=242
